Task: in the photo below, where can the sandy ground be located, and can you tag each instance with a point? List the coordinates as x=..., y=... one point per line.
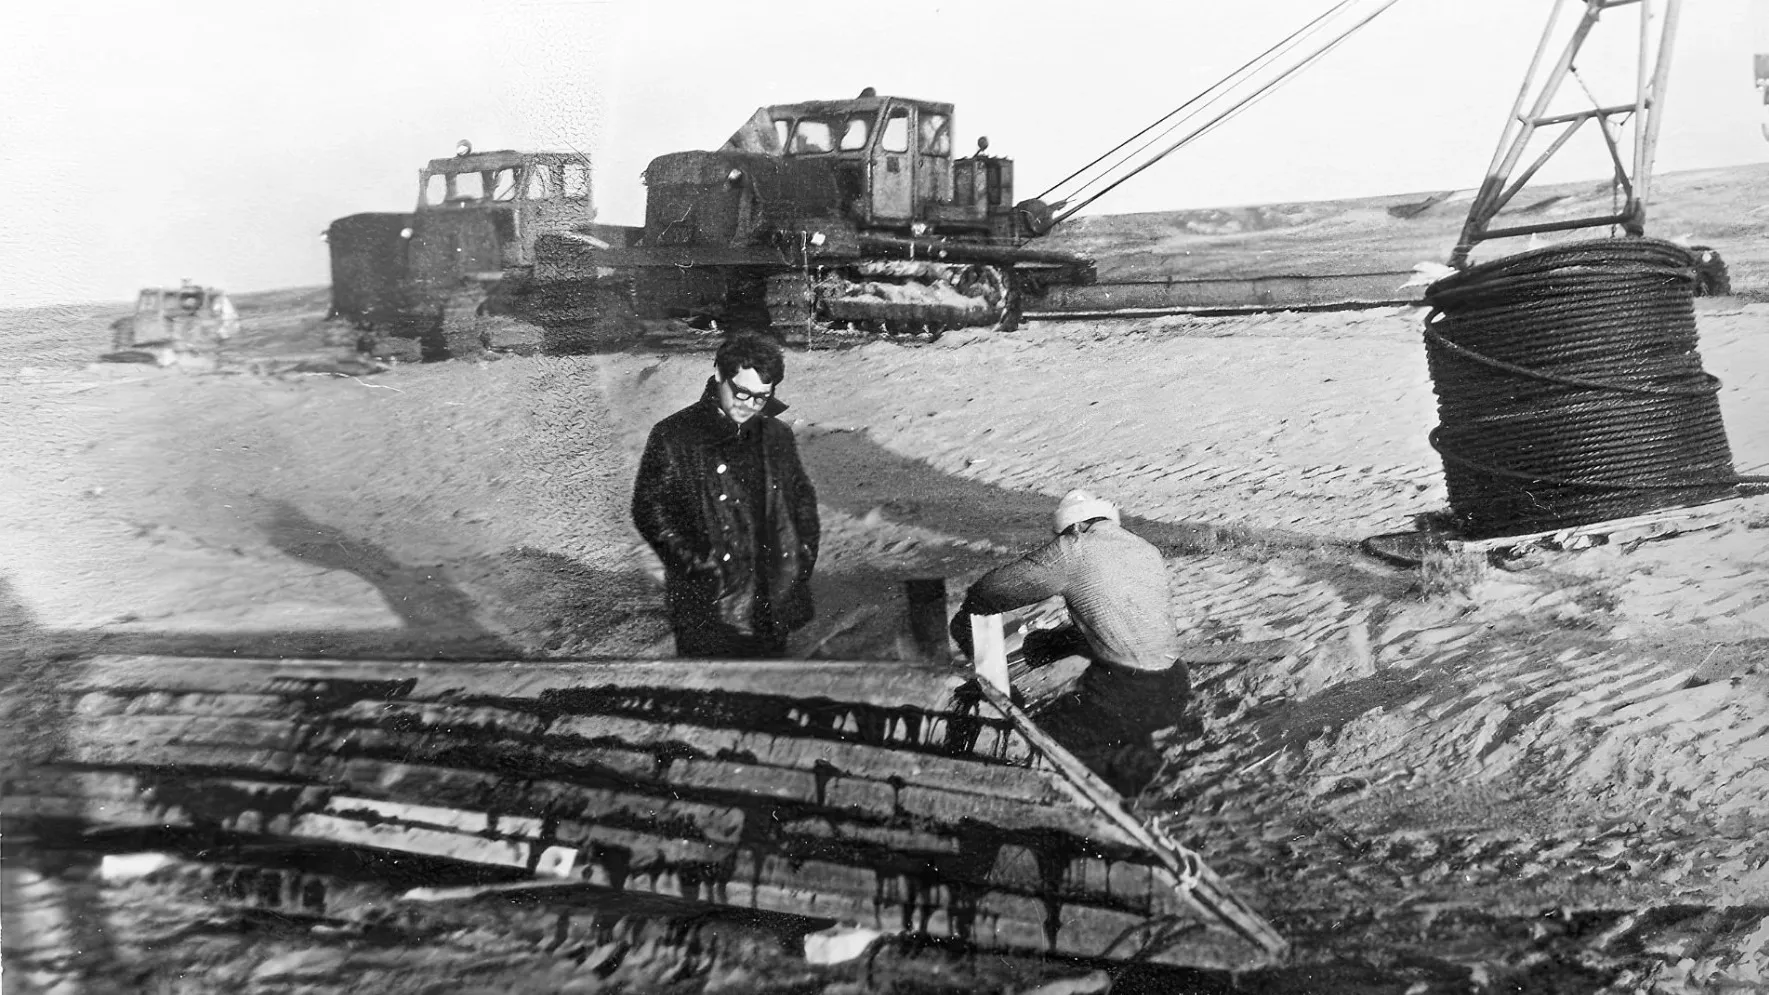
x=1547, y=777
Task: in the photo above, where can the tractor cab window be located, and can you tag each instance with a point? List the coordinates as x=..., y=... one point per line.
x=503, y=186
x=435, y=190
x=540, y=182
x=811, y=136
x=577, y=180
x=468, y=186
x=936, y=134
x=896, y=131
x=858, y=130
x=782, y=129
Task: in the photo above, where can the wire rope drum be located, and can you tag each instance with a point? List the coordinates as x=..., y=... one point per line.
x=1569, y=388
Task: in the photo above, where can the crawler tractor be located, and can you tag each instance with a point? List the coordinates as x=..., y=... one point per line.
x=840, y=212
x=187, y=320
x=416, y=282
x=849, y=213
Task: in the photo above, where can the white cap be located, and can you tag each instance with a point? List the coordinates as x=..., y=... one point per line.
x=1080, y=506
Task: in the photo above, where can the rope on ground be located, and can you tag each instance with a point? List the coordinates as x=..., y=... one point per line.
x=1570, y=390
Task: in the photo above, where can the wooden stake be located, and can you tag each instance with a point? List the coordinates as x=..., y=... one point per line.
x=989, y=652
x=927, y=617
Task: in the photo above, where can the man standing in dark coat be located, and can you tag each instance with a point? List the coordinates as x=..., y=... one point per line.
x=722, y=498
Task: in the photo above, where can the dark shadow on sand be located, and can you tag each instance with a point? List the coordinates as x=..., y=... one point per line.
x=418, y=594
x=855, y=474
x=438, y=619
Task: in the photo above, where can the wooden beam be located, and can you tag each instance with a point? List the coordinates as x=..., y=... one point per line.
x=927, y=618
x=903, y=684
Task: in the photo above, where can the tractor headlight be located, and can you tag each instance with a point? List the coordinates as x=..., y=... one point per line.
x=734, y=177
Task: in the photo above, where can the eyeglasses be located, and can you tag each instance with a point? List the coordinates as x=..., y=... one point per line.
x=742, y=396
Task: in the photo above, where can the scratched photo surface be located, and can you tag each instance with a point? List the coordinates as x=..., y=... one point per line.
x=332, y=658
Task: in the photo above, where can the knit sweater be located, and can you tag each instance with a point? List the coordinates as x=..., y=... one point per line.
x=1113, y=582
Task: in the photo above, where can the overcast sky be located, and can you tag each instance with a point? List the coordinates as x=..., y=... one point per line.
x=150, y=141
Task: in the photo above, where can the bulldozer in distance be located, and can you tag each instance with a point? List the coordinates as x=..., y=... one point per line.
x=850, y=215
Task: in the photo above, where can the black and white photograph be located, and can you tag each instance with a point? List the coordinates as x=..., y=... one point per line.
x=671, y=497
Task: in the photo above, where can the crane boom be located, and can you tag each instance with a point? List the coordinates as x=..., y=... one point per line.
x=1531, y=115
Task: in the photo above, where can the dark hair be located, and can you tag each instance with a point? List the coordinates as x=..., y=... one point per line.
x=758, y=352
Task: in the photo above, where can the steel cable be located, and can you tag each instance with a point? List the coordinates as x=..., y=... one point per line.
x=1569, y=388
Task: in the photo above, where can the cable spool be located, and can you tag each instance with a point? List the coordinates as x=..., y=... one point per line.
x=1569, y=388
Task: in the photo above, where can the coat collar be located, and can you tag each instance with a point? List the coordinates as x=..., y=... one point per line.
x=713, y=419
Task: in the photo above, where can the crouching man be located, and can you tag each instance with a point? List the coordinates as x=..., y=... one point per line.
x=1114, y=585
x=723, y=500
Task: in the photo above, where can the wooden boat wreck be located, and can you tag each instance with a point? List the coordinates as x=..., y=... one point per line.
x=903, y=797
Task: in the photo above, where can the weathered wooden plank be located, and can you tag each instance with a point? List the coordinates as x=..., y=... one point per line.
x=851, y=759
x=442, y=716
x=537, y=798
x=206, y=799
x=114, y=801
x=909, y=729
x=194, y=703
x=269, y=747
x=1136, y=885
x=1004, y=813
x=615, y=856
x=117, y=800
x=995, y=742
x=720, y=786
x=866, y=758
x=436, y=816
x=992, y=918
x=184, y=756
x=469, y=801
x=897, y=838
x=720, y=783
x=117, y=731
x=901, y=685
x=630, y=860
x=411, y=839
x=529, y=759
x=673, y=817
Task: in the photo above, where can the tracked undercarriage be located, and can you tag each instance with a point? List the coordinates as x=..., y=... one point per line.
x=890, y=297
x=823, y=308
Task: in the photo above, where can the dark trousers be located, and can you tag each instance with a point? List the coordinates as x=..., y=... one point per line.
x=707, y=638
x=1109, y=718
x=720, y=643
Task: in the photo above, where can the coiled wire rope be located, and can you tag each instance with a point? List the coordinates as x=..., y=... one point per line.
x=1569, y=388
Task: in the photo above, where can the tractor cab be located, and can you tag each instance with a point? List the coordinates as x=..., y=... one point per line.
x=516, y=196
x=891, y=157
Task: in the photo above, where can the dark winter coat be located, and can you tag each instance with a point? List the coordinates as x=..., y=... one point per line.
x=694, y=510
